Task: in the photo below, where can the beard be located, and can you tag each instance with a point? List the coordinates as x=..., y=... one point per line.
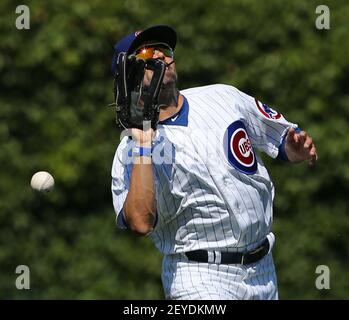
x=170, y=76
x=168, y=93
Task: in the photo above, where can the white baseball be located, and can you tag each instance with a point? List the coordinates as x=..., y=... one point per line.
x=42, y=181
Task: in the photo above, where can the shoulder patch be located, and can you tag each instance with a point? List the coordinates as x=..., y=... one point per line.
x=238, y=148
x=267, y=112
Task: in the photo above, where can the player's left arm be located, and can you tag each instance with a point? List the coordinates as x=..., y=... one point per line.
x=299, y=146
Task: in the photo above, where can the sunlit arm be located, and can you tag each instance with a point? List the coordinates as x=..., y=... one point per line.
x=140, y=204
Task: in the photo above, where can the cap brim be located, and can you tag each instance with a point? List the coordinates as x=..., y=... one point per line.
x=160, y=33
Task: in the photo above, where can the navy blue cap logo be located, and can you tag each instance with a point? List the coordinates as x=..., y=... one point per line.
x=238, y=148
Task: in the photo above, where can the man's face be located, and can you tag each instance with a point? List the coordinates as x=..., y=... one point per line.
x=170, y=77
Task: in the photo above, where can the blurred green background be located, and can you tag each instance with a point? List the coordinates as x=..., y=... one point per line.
x=55, y=83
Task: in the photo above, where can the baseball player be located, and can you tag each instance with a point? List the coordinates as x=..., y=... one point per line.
x=195, y=182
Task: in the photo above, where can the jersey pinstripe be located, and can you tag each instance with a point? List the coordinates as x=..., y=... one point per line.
x=206, y=200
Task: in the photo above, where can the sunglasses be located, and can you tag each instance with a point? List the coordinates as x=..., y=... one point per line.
x=147, y=51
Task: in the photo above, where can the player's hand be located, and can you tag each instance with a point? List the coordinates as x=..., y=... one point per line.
x=143, y=137
x=300, y=147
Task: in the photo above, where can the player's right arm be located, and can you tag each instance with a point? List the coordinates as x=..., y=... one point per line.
x=139, y=208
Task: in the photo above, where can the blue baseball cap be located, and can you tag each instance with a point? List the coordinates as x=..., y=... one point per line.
x=158, y=33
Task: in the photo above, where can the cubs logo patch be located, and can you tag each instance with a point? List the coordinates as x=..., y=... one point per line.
x=267, y=111
x=238, y=148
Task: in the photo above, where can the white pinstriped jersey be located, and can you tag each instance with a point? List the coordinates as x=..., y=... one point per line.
x=212, y=188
